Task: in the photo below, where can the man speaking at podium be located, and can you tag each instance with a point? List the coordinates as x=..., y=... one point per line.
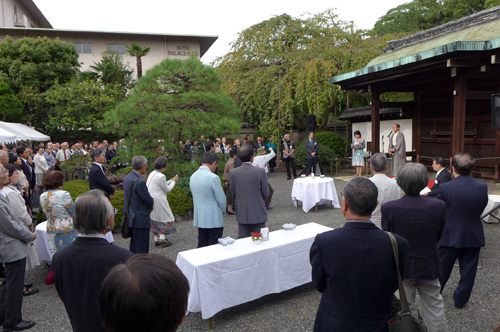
x=397, y=147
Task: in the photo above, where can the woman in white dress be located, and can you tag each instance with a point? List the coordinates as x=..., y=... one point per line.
x=19, y=206
x=162, y=219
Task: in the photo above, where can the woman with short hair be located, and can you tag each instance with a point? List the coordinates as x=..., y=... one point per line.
x=162, y=219
x=358, y=152
x=57, y=205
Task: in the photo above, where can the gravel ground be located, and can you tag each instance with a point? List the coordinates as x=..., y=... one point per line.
x=295, y=309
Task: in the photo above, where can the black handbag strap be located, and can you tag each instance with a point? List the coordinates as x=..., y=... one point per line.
x=402, y=294
x=130, y=195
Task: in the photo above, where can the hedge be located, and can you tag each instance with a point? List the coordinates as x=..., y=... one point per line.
x=179, y=200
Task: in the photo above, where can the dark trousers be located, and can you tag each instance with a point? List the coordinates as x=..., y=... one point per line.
x=270, y=197
x=139, y=241
x=11, y=293
x=311, y=166
x=245, y=230
x=291, y=161
x=468, y=259
x=209, y=236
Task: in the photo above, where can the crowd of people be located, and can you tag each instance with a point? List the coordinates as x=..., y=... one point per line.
x=432, y=231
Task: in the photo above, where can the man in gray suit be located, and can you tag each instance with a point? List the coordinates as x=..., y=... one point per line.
x=397, y=146
x=14, y=237
x=388, y=189
x=248, y=185
x=312, y=148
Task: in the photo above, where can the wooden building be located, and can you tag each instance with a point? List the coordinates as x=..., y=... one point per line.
x=452, y=70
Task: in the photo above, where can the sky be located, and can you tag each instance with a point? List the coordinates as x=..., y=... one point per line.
x=222, y=18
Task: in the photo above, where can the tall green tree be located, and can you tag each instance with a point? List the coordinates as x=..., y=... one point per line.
x=80, y=105
x=277, y=71
x=138, y=52
x=419, y=15
x=175, y=99
x=31, y=66
x=10, y=106
x=112, y=70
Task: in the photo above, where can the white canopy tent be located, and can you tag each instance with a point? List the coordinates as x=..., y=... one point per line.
x=22, y=132
x=6, y=137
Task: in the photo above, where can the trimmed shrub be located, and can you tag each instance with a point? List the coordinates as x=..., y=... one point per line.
x=333, y=141
x=78, y=187
x=118, y=203
x=324, y=156
x=180, y=202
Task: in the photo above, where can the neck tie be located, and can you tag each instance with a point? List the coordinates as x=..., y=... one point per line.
x=65, y=158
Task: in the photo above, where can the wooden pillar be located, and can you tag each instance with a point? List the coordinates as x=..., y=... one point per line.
x=459, y=108
x=375, y=122
x=417, y=123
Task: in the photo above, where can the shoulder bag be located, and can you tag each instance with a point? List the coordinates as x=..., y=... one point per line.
x=125, y=229
x=403, y=320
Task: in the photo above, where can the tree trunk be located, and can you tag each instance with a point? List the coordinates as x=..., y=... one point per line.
x=139, y=67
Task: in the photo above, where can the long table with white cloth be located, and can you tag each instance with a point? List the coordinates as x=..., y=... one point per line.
x=223, y=277
x=42, y=242
x=314, y=190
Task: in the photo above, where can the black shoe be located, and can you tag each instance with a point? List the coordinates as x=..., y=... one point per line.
x=269, y=207
x=288, y=178
x=24, y=325
x=459, y=307
x=30, y=291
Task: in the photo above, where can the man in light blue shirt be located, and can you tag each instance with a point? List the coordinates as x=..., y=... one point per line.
x=209, y=201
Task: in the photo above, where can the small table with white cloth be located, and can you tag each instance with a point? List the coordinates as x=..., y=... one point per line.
x=223, y=277
x=314, y=191
x=42, y=242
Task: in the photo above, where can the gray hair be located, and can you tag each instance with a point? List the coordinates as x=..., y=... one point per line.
x=91, y=212
x=161, y=162
x=378, y=161
x=412, y=178
x=95, y=153
x=286, y=135
x=361, y=195
x=138, y=162
x=463, y=163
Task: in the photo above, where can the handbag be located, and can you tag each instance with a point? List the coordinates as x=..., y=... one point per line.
x=403, y=320
x=125, y=228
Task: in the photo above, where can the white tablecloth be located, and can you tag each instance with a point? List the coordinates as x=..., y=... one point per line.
x=223, y=277
x=42, y=242
x=314, y=191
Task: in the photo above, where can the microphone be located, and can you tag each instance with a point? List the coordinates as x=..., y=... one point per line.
x=390, y=133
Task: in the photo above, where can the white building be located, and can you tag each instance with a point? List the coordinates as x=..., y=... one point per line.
x=21, y=18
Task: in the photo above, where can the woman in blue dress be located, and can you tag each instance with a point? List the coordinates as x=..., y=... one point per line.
x=358, y=153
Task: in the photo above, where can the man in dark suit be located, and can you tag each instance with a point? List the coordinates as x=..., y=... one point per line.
x=97, y=178
x=80, y=267
x=312, y=148
x=140, y=207
x=23, y=153
x=421, y=222
x=463, y=237
x=14, y=237
x=354, y=267
x=249, y=187
x=442, y=175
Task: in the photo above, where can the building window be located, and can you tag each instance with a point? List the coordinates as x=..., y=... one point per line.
x=120, y=49
x=83, y=48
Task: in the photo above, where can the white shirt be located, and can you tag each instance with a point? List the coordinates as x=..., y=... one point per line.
x=100, y=166
x=394, y=138
x=261, y=161
x=98, y=235
x=3, y=194
x=388, y=190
